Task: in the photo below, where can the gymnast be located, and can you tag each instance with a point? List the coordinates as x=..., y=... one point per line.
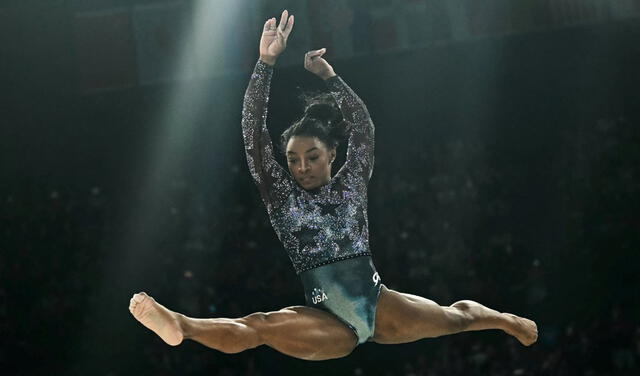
x=322, y=223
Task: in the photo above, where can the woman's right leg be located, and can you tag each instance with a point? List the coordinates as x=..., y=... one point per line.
x=302, y=332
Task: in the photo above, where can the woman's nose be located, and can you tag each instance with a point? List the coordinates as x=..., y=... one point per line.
x=303, y=166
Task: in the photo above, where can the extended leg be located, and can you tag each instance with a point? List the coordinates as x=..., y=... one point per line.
x=301, y=332
x=402, y=318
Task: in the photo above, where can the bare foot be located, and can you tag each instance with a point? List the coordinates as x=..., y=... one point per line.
x=525, y=330
x=156, y=317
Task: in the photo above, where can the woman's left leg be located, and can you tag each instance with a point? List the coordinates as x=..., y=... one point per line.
x=402, y=318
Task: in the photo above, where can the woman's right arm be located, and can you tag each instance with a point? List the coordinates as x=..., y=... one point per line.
x=265, y=170
x=269, y=176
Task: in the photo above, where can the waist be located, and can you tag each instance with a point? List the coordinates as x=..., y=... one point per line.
x=346, y=271
x=331, y=261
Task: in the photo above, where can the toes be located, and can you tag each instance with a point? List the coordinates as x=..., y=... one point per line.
x=139, y=297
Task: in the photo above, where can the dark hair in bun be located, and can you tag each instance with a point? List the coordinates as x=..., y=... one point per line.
x=322, y=119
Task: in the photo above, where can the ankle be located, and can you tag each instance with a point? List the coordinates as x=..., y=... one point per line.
x=508, y=322
x=184, y=325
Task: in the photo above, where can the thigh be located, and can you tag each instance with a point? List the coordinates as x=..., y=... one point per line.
x=402, y=318
x=300, y=330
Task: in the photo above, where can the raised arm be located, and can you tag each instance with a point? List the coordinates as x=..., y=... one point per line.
x=270, y=177
x=360, y=146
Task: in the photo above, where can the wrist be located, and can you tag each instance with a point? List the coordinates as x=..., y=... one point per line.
x=328, y=76
x=269, y=60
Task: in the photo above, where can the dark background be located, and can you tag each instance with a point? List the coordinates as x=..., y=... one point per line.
x=507, y=172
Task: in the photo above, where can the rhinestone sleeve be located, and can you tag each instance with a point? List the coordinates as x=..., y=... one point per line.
x=360, y=145
x=273, y=182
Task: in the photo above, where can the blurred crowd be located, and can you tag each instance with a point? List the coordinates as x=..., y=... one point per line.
x=457, y=223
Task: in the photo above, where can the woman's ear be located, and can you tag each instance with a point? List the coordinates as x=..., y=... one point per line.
x=332, y=154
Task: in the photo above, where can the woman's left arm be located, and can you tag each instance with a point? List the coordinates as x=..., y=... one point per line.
x=361, y=130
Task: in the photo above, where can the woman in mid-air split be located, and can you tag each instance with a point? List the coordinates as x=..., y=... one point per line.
x=322, y=222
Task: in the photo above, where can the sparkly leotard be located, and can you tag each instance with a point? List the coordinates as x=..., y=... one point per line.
x=323, y=228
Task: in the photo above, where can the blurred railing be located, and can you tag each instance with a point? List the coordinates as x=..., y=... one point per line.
x=136, y=44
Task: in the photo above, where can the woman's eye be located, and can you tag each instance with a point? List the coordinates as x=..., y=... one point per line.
x=292, y=161
x=313, y=158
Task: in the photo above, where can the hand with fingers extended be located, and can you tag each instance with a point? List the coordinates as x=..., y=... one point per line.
x=314, y=63
x=274, y=38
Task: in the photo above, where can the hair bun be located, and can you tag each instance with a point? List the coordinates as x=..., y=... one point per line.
x=324, y=111
x=321, y=105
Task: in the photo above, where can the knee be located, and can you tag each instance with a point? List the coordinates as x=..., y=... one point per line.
x=263, y=324
x=241, y=334
x=461, y=316
x=256, y=321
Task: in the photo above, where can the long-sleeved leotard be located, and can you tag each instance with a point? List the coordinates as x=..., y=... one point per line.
x=322, y=226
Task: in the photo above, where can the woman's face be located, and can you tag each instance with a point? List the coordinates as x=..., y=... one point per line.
x=309, y=161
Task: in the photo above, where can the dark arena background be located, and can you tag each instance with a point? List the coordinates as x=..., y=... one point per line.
x=507, y=171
